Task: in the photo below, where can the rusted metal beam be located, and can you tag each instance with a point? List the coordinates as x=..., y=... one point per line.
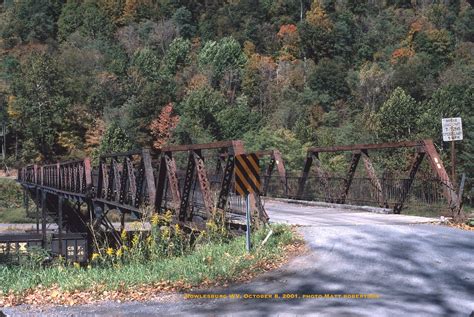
x=204, y=184
x=304, y=176
x=149, y=176
x=226, y=182
x=369, y=168
x=187, y=188
x=406, y=187
x=360, y=147
x=161, y=184
x=193, y=147
x=438, y=167
x=267, y=176
x=172, y=178
x=323, y=179
x=350, y=176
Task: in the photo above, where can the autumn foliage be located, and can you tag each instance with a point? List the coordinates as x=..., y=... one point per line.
x=162, y=127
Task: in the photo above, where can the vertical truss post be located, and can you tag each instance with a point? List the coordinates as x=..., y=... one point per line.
x=116, y=180
x=43, y=217
x=188, y=182
x=87, y=183
x=220, y=162
x=226, y=182
x=407, y=185
x=227, y=178
x=38, y=204
x=172, y=178
x=373, y=179
x=262, y=214
x=124, y=179
x=60, y=223
x=323, y=178
x=149, y=177
x=57, y=182
x=161, y=184
x=304, y=176
x=204, y=184
x=26, y=202
x=110, y=183
x=100, y=180
x=350, y=176
x=268, y=175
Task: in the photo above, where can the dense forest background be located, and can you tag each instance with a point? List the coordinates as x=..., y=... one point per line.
x=86, y=77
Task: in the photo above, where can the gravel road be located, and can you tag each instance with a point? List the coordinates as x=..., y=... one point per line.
x=416, y=269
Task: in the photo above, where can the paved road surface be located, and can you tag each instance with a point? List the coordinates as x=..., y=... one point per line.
x=417, y=269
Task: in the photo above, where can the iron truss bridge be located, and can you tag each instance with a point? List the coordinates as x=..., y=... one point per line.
x=194, y=181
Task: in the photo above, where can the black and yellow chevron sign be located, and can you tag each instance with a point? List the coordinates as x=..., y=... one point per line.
x=247, y=174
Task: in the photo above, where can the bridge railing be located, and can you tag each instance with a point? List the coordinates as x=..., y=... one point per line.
x=425, y=193
x=29, y=174
x=72, y=176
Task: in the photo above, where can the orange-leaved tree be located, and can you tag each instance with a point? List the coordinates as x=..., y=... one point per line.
x=162, y=127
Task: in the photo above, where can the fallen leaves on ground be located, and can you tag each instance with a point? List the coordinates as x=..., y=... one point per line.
x=54, y=295
x=461, y=226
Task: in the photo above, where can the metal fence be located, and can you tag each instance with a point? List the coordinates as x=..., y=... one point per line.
x=424, y=195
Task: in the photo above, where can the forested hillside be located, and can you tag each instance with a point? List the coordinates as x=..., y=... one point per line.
x=87, y=77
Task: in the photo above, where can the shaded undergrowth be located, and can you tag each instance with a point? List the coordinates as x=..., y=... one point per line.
x=166, y=253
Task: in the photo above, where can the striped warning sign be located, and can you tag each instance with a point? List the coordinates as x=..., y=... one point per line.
x=247, y=174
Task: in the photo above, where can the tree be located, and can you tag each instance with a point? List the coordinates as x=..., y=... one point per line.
x=31, y=20
x=464, y=26
x=70, y=19
x=162, y=127
x=115, y=140
x=268, y=138
x=147, y=63
x=87, y=18
x=316, y=33
x=288, y=35
x=258, y=76
x=177, y=55
x=223, y=56
x=95, y=23
x=41, y=107
x=397, y=118
x=201, y=107
x=329, y=78
x=183, y=20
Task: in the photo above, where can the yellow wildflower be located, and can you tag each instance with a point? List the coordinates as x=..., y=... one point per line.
x=168, y=216
x=95, y=256
x=110, y=251
x=135, y=240
x=123, y=235
x=155, y=220
x=119, y=252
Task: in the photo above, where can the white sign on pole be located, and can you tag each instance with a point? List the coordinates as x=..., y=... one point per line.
x=452, y=129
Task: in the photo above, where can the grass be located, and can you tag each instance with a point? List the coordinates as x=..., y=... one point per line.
x=213, y=261
x=11, y=203
x=14, y=215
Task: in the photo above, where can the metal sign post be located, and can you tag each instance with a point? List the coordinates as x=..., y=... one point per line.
x=247, y=215
x=452, y=131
